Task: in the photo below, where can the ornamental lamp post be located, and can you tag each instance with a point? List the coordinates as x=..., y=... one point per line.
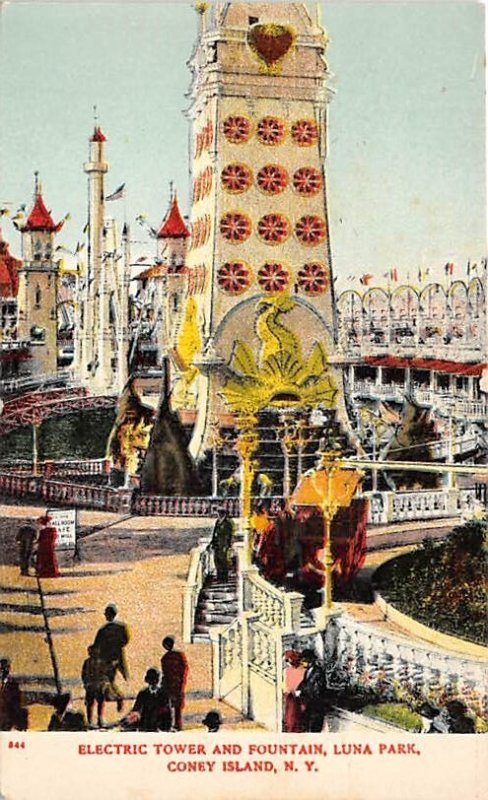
x=247, y=444
x=328, y=487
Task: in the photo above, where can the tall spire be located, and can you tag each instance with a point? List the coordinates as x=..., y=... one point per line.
x=40, y=218
x=173, y=225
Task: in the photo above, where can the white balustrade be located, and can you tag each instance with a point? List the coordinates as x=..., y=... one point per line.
x=355, y=650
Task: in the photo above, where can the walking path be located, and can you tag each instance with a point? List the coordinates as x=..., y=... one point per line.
x=141, y=564
x=137, y=564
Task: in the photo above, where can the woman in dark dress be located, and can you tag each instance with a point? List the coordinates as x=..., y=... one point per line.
x=47, y=563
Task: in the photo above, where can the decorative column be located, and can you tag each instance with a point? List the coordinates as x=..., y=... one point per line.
x=247, y=443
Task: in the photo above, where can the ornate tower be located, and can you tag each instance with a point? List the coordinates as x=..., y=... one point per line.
x=38, y=286
x=260, y=228
x=102, y=339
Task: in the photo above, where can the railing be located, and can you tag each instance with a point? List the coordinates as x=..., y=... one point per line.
x=388, y=507
x=70, y=494
x=101, y=497
x=378, y=659
x=154, y=505
x=94, y=466
x=230, y=664
x=197, y=573
x=272, y=605
x=11, y=385
x=371, y=389
x=20, y=485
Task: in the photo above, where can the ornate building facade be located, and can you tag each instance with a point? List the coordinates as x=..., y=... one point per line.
x=260, y=233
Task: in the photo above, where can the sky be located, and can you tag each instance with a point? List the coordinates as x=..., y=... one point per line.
x=406, y=163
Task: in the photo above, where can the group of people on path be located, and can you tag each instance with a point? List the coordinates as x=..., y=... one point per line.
x=37, y=548
x=158, y=706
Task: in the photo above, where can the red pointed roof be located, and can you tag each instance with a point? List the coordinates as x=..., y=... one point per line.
x=40, y=219
x=9, y=280
x=98, y=135
x=173, y=225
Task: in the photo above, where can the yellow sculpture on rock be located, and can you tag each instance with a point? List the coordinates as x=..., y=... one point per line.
x=282, y=377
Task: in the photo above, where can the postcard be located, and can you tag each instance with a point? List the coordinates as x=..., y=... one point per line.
x=243, y=400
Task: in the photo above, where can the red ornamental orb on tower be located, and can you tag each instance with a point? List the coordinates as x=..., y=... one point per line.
x=236, y=178
x=311, y=230
x=272, y=179
x=271, y=130
x=307, y=180
x=274, y=228
x=234, y=277
x=237, y=129
x=235, y=227
x=304, y=132
x=273, y=277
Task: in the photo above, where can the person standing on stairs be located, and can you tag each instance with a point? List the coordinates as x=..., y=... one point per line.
x=221, y=543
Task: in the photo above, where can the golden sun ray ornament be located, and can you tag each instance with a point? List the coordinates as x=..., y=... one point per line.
x=281, y=377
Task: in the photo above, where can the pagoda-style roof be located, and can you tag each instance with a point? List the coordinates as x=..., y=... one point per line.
x=173, y=225
x=9, y=280
x=40, y=219
x=98, y=135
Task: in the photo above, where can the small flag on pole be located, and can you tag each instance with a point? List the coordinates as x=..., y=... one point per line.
x=118, y=194
x=365, y=279
x=394, y=274
x=449, y=268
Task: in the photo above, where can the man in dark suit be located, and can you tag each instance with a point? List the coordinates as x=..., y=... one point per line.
x=150, y=711
x=110, y=641
x=26, y=537
x=12, y=713
x=312, y=692
x=175, y=672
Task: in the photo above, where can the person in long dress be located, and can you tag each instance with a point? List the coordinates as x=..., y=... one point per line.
x=294, y=674
x=47, y=563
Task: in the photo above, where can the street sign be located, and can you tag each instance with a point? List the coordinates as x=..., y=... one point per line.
x=65, y=522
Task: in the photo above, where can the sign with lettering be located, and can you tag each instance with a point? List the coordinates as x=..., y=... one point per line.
x=65, y=522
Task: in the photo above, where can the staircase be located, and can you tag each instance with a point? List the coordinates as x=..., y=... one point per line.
x=217, y=605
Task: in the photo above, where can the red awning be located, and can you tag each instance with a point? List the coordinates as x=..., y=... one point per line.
x=437, y=364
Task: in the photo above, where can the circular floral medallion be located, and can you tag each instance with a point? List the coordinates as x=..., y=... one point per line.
x=304, y=132
x=234, y=277
x=236, y=178
x=313, y=278
x=273, y=228
x=273, y=277
x=271, y=130
x=235, y=227
x=307, y=180
x=237, y=129
x=272, y=179
x=311, y=230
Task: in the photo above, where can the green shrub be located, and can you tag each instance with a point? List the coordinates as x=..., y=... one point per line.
x=397, y=714
x=443, y=584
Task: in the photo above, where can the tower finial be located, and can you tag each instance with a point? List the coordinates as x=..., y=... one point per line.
x=37, y=185
x=95, y=115
x=171, y=191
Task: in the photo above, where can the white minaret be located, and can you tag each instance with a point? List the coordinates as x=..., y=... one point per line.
x=94, y=313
